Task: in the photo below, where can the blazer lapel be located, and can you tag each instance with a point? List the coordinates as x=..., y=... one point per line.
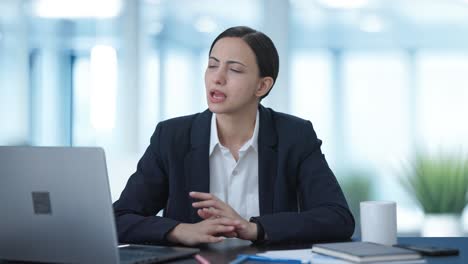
x=267, y=161
x=197, y=172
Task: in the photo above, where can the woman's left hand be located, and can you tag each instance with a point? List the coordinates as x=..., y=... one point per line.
x=210, y=206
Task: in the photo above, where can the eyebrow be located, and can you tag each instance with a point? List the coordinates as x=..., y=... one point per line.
x=229, y=61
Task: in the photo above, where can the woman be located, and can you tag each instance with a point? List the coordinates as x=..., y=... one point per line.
x=237, y=169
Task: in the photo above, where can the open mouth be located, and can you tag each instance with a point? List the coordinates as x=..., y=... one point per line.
x=217, y=96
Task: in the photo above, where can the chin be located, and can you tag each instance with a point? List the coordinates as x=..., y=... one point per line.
x=219, y=108
x=216, y=108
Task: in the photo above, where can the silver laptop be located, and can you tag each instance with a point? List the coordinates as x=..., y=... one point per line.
x=56, y=206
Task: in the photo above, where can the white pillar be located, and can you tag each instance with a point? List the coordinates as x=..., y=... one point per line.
x=51, y=98
x=14, y=78
x=276, y=25
x=129, y=89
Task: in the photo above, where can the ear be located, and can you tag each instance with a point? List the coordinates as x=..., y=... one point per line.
x=264, y=86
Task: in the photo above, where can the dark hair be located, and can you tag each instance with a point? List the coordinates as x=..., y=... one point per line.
x=265, y=51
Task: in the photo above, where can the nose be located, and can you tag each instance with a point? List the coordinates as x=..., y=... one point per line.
x=219, y=76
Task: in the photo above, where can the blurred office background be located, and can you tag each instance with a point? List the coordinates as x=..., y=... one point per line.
x=380, y=80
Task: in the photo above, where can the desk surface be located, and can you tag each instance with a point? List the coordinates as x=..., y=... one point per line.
x=227, y=250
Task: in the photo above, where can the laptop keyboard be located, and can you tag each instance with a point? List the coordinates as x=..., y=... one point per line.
x=138, y=255
x=152, y=254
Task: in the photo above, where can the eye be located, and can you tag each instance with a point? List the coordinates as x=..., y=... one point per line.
x=235, y=70
x=211, y=66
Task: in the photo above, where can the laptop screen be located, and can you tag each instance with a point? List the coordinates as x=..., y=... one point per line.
x=59, y=209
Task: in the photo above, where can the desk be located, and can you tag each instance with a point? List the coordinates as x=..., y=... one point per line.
x=227, y=250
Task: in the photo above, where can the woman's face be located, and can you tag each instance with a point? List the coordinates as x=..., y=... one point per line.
x=232, y=77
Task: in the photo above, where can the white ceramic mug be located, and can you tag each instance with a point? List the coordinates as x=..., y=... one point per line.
x=379, y=222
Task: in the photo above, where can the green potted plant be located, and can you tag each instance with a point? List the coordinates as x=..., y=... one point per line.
x=439, y=184
x=357, y=187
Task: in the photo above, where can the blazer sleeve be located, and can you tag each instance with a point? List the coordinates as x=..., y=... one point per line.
x=323, y=213
x=145, y=194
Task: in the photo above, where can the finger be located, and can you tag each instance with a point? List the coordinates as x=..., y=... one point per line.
x=214, y=239
x=208, y=203
x=202, y=195
x=226, y=221
x=210, y=239
x=204, y=214
x=221, y=229
x=230, y=234
x=213, y=211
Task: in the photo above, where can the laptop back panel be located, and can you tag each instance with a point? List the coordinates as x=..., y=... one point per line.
x=56, y=206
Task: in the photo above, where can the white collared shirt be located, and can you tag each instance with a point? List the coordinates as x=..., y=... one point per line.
x=235, y=183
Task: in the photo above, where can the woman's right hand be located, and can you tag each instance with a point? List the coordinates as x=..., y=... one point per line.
x=211, y=230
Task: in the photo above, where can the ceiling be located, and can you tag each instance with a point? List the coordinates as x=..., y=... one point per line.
x=313, y=22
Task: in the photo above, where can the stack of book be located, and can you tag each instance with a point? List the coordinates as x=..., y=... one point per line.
x=365, y=252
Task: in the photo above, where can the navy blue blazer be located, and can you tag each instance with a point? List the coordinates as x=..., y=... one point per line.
x=300, y=199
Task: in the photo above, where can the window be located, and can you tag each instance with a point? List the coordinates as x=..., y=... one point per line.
x=311, y=94
x=94, y=100
x=377, y=108
x=442, y=100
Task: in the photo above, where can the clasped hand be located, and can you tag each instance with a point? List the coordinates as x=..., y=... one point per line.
x=219, y=221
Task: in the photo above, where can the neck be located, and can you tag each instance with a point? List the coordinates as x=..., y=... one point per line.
x=235, y=129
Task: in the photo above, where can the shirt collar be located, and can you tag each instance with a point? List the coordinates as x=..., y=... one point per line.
x=214, y=139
